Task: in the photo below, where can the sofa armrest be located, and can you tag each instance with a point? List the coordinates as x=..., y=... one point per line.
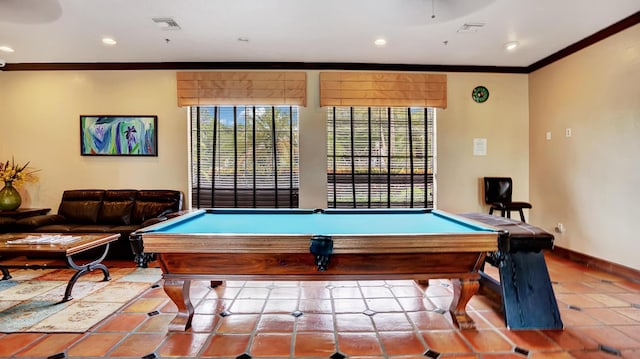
x=152, y=221
x=177, y=213
x=163, y=217
x=6, y=224
x=39, y=221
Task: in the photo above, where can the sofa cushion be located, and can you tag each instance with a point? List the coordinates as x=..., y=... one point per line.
x=81, y=206
x=92, y=228
x=144, y=210
x=115, y=212
x=83, y=195
x=125, y=230
x=39, y=221
x=155, y=203
x=55, y=228
x=117, y=207
x=80, y=211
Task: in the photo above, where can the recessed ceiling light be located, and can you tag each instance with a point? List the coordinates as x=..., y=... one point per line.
x=6, y=49
x=380, y=42
x=511, y=45
x=109, y=41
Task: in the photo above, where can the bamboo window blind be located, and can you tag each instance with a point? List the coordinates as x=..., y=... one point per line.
x=199, y=88
x=384, y=89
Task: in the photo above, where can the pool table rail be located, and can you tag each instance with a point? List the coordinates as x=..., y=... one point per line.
x=296, y=243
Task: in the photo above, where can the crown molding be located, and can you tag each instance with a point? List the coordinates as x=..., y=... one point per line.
x=72, y=66
x=587, y=41
x=621, y=25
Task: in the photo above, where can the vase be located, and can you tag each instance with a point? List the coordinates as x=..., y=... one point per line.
x=9, y=197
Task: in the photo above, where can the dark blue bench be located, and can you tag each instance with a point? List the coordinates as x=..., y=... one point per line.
x=525, y=288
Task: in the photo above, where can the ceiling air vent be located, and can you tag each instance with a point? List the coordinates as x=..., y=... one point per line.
x=166, y=23
x=471, y=27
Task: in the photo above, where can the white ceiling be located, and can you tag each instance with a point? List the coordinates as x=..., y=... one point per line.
x=342, y=31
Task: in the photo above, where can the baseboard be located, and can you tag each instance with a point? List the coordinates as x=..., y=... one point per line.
x=606, y=266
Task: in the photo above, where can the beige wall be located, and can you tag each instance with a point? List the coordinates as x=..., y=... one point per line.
x=40, y=112
x=590, y=182
x=39, y=122
x=502, y=120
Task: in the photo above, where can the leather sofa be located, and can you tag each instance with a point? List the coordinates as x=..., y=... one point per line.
x=6, y=224
x=107, y=211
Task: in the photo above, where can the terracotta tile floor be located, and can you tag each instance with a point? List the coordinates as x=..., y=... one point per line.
x=601, y=313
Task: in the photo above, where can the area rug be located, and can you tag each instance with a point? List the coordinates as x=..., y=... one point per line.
x=30, y=301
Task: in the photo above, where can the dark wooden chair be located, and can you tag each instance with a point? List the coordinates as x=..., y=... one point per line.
x=497, y=194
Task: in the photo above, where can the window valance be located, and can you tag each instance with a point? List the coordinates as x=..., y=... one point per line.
x=383, y=89
x=198, y=88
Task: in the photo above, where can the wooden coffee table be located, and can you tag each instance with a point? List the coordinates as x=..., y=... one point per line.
x=38, y=246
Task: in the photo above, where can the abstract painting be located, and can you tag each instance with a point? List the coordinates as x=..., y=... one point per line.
x=118, y=135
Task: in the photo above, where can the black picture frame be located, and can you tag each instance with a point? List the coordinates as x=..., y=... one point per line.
x=119, y=135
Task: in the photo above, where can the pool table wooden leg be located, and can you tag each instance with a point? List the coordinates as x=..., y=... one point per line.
x=178, y=291
x=463, y=290
x=424, y=284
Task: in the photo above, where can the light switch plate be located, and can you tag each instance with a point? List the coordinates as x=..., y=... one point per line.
x=567, y=132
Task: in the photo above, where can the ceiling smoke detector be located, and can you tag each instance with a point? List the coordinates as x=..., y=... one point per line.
x=471, y=27
x=166, y=23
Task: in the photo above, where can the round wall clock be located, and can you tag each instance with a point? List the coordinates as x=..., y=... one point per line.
x=480, y=94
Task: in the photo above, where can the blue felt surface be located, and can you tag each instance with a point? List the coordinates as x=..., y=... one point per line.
x=319, y=223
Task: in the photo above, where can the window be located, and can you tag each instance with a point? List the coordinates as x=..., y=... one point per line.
x=380, y=157
x=244, y=156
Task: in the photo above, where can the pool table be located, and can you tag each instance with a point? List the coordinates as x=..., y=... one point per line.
x=318, y=244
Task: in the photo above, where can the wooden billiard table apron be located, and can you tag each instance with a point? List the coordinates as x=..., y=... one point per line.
x=288, y=257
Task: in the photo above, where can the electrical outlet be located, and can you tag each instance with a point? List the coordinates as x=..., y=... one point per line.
x=567, y=132
x=560, y=228
x=548, y=135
